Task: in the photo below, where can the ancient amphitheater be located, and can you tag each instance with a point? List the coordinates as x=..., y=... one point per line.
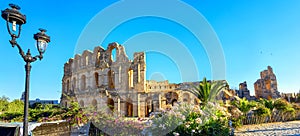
x=96, y=80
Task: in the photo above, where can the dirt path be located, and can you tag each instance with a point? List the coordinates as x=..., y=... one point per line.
x=291, y=128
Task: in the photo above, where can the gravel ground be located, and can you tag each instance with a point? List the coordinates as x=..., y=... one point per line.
x=291, y=128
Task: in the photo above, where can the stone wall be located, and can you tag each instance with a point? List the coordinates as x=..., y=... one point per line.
x=243, y=91
x=53, y=129
x=266, y=86
x=105, y=79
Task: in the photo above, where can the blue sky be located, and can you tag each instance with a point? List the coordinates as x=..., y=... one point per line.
x=253, y=35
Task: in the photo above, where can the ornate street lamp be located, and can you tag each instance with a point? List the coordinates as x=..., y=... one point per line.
x=14, y=21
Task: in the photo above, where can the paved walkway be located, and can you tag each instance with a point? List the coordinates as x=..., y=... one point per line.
x=291, y=128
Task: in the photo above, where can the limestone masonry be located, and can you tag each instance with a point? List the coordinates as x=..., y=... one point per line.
x=96, y=79
x=266, y=87
x=243, y=91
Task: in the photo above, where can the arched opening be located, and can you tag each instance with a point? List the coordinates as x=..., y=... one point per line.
x=94, y=104
x=129, y=108
x=86, y=60
x=83, y=83
x=149, y=107
x=98, y=54
x=174, y=102
x=111, y=78
x=111, y=104
x=114, y=54
x=171, y=98
x=186, y=98
x=98, y=58
x=130, y=78
x=96, y=75
x=81, y=103
x=113, y=47
x=66, y=104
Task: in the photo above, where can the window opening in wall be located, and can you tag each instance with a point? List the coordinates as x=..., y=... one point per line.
x=96, y=79
x=110, y=104
x=114, y=54
x=129, y=107
x=98, y=54
x=130, y=77
x=86, y=60
x=111, y=77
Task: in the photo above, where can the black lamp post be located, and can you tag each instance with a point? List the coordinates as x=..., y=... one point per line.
x=13, y=20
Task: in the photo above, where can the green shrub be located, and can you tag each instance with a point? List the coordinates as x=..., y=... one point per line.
x=262, y=111
x=215, y=128
x=11, y=116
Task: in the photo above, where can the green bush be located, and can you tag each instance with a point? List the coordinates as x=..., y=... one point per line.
x=215, y=128
x=11, y=116
x=262, y=111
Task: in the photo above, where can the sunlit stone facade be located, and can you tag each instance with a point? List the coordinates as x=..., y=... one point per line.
x=96, y=79
x=266, y=87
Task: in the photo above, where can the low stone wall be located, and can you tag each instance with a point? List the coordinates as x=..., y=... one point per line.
x=53, y=129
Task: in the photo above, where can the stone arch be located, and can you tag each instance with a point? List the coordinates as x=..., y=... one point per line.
x=171, y=97
x=96, y=76
x=86, y=57
x=129, y=108
x=94, y=104
x=186, y=98
x=174, y=102
x=97, y=55
x=113, y=55
x=111, y=79
x=111, y=104
x=148, y=106
x=98, y=58
x=113, y=51
x=83, y=82
x=81, y=103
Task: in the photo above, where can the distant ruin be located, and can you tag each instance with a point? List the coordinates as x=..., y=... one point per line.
x=266, y=87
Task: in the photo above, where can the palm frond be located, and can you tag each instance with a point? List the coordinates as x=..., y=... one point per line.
x=216, y=88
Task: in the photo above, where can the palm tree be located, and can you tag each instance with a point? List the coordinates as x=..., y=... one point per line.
x=244, y=105
x=269, y=104
x=207, y=91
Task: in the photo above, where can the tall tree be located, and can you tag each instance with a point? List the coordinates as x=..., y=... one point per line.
x=16, y=106
x=4, y=103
